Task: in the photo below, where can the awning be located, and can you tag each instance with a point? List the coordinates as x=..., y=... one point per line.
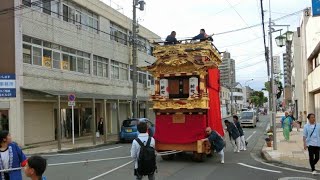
x=83, y=95
x=315, y=52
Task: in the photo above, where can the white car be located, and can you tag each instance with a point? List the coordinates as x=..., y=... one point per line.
x=248, y=119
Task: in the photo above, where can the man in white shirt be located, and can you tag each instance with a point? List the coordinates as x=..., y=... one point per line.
x=311, y=141
x=135, y=148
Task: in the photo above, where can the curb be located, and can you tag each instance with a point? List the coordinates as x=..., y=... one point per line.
x=74, y=149
x=269, y=159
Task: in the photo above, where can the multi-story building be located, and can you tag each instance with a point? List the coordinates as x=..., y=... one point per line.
x=50, y=49
x=225, y=101
x=227, y=70
x=246, y=96
x=307, y=81
x=237, y=98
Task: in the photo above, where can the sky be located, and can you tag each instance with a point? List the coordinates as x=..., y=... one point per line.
x=187, y=17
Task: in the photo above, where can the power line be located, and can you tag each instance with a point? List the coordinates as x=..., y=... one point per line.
x=240, y=16
x=235, y=44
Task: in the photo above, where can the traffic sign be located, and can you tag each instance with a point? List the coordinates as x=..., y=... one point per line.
x=71, y=97
x=71, y=103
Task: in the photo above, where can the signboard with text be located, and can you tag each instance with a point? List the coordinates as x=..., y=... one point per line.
x=315, y=7
x=7, y=85
x=276, y=64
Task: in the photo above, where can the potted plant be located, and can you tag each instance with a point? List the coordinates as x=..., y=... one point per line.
x=270, y=134
x=268, y=141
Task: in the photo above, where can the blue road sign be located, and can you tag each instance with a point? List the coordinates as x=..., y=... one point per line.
x=7, y=85
x=315, y=7
x=72, y=97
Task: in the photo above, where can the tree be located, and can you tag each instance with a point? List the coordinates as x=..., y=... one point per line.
x=258, y=99
x=277, y=83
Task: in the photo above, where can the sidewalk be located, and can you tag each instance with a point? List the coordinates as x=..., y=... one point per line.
x=292, y=152
x=67, y=146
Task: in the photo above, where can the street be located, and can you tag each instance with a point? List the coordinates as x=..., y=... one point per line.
x=114, y=162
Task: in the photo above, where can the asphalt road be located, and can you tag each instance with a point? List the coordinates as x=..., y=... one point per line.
x=113, y=163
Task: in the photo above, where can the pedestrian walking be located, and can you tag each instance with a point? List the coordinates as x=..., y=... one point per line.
x=243, y=146
x=311, y=141
x=35, y=167
x=11, y=156
x=143, y=153
x=234, y=135
x=217, y=142
x=299, y=121
x=100, y=126
x=286, y=124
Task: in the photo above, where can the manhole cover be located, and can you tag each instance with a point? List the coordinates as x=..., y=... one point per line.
x=296, y=178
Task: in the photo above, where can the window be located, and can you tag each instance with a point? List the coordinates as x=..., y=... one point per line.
x=80, y=64
x=114, y=69
x=37, y=56
x=65, y=13
x=100, y=66
x=55, y=8
x=151, y=79
x=56, y=60
x=27, y=3
x=47, y=58
x=123, y=71
x=46, y=6
x=27, y=54
x=118, y=34
x=142, y=44
x=73, y=63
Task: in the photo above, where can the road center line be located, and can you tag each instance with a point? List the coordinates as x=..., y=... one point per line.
x=87, y=161
x=262, y=169
x=108, y=172
x=251, y=135
x=86, y=152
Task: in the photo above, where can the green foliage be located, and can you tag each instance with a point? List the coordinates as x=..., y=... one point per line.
x=280, y=87
x=258, y=99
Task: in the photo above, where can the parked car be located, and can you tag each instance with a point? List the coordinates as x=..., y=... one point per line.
x=129, y=129
x=248, y=119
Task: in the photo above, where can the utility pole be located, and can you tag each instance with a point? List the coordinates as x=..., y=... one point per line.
x=274, y=110
x=134, y=55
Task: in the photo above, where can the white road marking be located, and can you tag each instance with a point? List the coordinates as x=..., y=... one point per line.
x=262, y=169
x=85, y=152
x=285, y=168
x=251, y=135
x=108, y=172
x=87, y=161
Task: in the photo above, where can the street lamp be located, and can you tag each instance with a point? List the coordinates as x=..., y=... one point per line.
x=247, y=81
x=281, y=41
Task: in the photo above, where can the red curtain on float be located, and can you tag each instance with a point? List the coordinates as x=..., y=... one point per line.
x=214, y=113
x=181, y=133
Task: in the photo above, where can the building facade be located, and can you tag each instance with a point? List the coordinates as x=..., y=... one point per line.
x=225, y=102
x=61, y=47
x=227, y=70
x=237, y=98
x=307, y=81
x=246, y=96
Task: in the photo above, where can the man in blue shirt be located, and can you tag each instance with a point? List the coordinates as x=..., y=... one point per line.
x=217, y=142
x=311, y=141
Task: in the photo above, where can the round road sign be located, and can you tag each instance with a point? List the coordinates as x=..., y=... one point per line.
x=72, y=97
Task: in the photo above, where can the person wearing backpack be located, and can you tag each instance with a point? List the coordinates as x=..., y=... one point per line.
x=143, y=153
x=311, y=141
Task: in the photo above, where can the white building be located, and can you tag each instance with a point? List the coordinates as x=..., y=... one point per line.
x=225, y=102
x=246, y=96
x=238, y=101
x=60, y=47
x=307, y=81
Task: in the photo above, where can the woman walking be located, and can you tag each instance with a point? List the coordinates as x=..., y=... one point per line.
x=11, y=156
x=286, y=124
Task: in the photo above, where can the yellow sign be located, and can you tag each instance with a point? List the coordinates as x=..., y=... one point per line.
x=46, y=62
